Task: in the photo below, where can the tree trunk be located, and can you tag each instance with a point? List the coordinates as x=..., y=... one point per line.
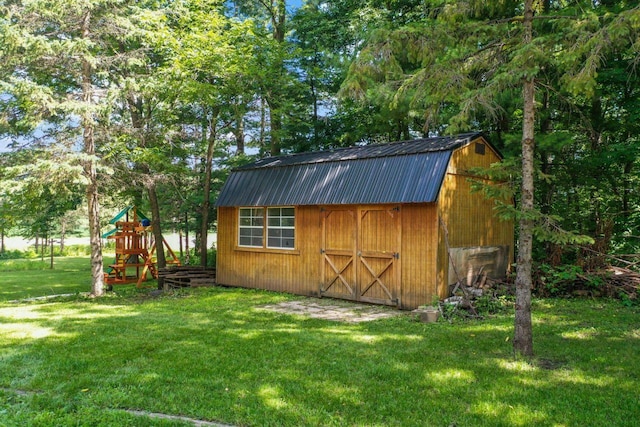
x=275, y=120
x=63, y=233
x=523, y=335
x=187, y=258
x=156, y=228
x=274, y=96
x=263, y=124
x=239, y=130
x=51, y=254
x=2, y=245
x=206, y=202
x=97, y=275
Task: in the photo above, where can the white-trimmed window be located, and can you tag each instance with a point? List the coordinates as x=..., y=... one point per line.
x=251, y=227
x=281, y=230
x=277, y=224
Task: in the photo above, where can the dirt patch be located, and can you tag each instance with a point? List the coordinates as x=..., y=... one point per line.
x=339, y=311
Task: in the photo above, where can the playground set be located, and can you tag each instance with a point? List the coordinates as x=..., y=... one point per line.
x=135, y=249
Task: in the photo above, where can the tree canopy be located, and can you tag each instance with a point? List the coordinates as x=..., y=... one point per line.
x=155, y=101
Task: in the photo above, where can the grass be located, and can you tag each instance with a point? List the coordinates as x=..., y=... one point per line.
x=28, y=278
x=212, y=354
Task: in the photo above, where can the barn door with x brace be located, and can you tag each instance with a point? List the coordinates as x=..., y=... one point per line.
x=360, y=254
x=378, y=255
x=338, y=253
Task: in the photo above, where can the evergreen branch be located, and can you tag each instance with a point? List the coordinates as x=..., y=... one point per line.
x=520, y=19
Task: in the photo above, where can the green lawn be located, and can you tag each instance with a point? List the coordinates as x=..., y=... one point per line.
x=28, y=278
x=212, y=354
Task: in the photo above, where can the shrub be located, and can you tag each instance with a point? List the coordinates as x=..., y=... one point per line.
x=195, y=259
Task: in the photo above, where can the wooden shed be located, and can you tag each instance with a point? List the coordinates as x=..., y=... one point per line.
x=389, y=224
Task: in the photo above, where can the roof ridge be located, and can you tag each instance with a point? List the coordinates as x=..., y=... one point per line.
x=388, y=149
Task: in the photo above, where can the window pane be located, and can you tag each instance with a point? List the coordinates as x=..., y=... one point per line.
x=275, y=233
x=290, y=233
x=251, y=227
x=280, y=227
x=274, y=222
x=288, y=222
x=288, y=243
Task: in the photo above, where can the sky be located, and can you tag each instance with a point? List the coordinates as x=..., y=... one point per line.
x=4, y=145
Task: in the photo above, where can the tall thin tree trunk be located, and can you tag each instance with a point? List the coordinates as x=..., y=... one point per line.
x=97, y=275
x=275, y=119
x=206, y=202
x=239, y=130
x=3, y=248
x=51, y=254
x=63, y=234
x=263, y=123
x=156, y=228
x=523, y=334
x=186, y=238
x=274, y=98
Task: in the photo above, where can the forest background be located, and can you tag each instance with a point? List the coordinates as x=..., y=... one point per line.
x=116, y=102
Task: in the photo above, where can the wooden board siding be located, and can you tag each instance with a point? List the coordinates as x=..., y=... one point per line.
x=469, y=216
x=295, y=271
x=418, y=255
x=350, y=237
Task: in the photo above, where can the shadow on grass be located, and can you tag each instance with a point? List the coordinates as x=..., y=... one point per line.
x=210, y=355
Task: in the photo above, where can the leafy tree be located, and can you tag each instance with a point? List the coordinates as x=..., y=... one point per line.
x=39, y=188
x=212, y=56
x=57, y=60
x=456, y=67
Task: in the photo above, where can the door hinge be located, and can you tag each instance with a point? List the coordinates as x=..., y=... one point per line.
x=396, y=255
x=322, y=251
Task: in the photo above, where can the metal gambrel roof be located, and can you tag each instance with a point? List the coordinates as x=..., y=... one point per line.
x=398, y=172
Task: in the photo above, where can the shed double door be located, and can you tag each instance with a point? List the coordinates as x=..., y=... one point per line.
x=361, y=254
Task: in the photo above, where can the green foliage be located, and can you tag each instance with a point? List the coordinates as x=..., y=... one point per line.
x=18, y=254
x=563, y=280
x=491, y=305
x=627, y=301
x=29, y=263
x=195, y=259
x=558, y=280
x=30, y=253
